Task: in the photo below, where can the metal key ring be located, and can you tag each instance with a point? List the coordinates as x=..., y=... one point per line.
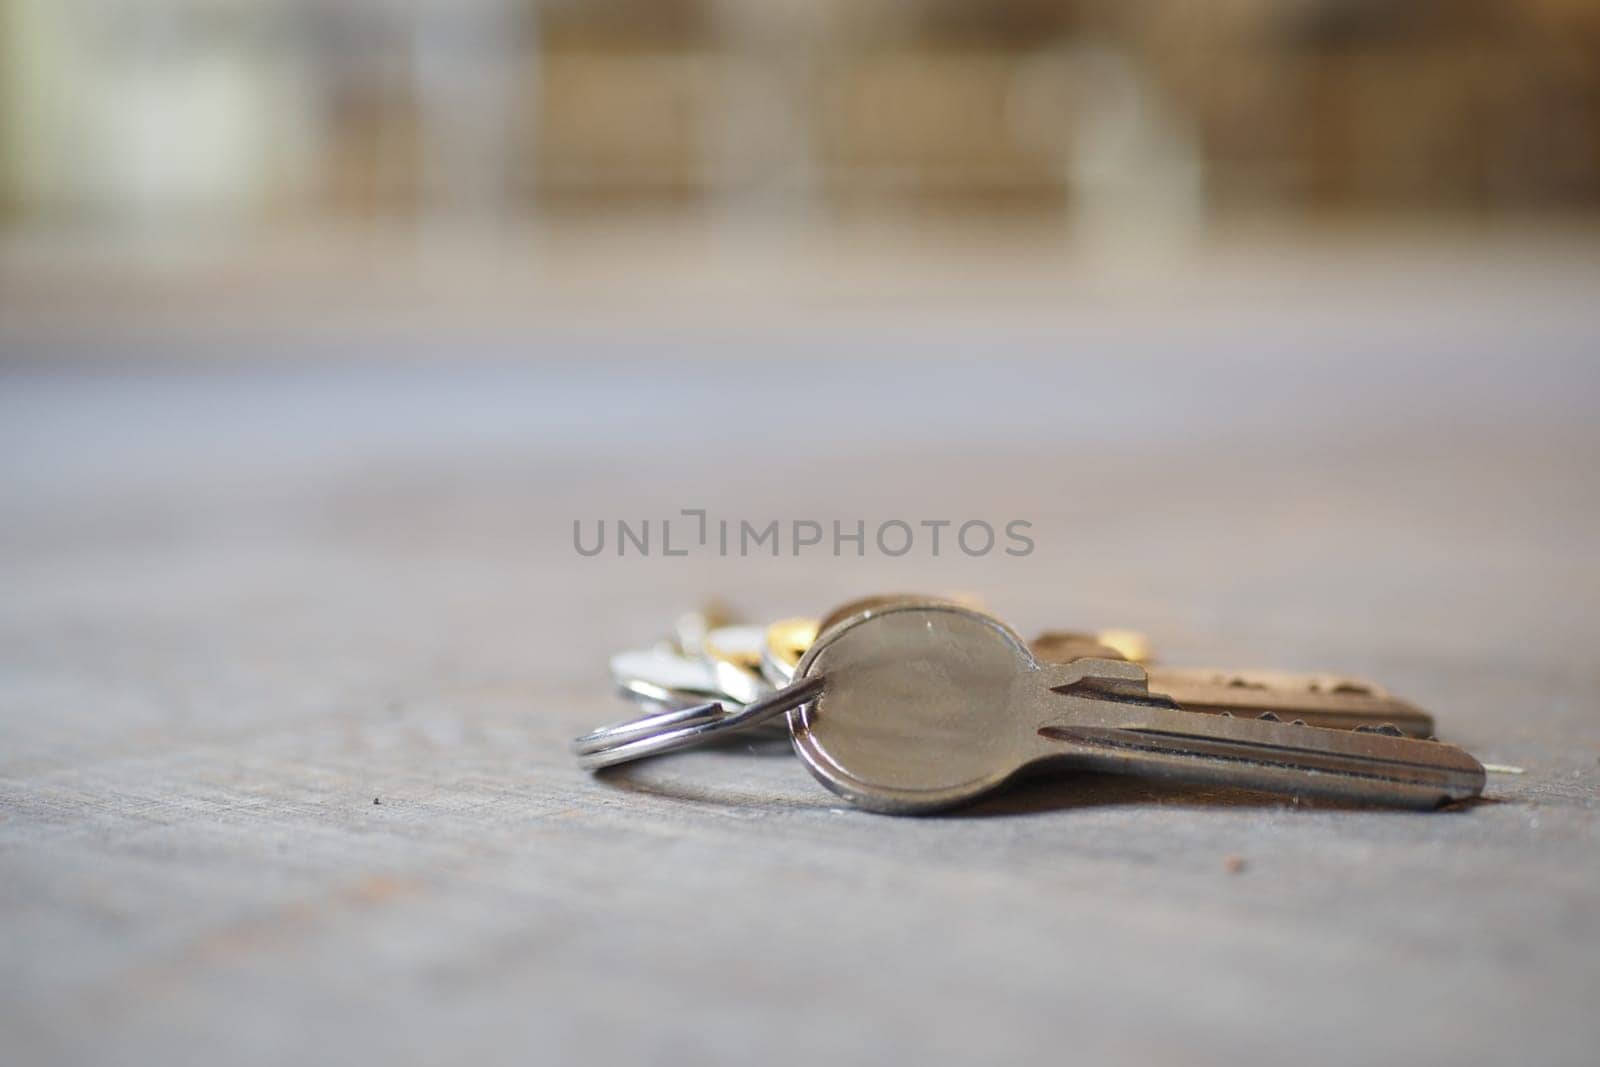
x=647, y=725
x=649, y=738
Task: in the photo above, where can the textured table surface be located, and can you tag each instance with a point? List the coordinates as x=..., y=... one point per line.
x=290, y=650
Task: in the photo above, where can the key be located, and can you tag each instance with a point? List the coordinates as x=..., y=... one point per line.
x=924, y=706
x=679, y=672
x=861, y=605
x=662, y=678
x=1060, y=646
x=698, y=665
x=689, y=630
x=700, y=676
x=1316, y=699
x=851, y=608
x=1064, y=646
x=788, y=639
x=1128, y=644
x=734, y=653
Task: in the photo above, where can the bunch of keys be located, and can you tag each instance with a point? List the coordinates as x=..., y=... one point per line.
x=908, y=705
x=712, y=658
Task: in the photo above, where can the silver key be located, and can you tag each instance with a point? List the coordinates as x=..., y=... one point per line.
x=665, y=678
x=705, y=659
x=662, y=678
x=925, y=706
x=734, y=653
x=678, y=690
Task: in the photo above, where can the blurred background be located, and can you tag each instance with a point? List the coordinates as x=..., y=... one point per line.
x=127, y=114
x=300, y=144
x=1346, y=237
x=302, y=269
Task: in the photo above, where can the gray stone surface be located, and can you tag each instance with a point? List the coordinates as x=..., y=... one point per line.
x=244, y=600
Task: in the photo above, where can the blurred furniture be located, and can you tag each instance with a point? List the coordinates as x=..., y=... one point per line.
x=171, y=108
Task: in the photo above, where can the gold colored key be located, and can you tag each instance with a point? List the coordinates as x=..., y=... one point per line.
x=1335, y=701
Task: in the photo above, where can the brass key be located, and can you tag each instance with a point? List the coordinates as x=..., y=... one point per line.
x=1316, y=699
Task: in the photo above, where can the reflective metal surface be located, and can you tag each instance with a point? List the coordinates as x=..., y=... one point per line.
x=659, y=734
x=931, y=705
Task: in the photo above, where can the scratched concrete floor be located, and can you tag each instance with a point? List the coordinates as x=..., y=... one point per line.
x=247, y=594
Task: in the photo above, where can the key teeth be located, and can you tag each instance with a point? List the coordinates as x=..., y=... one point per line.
x=1299, y=722
x=1389, y=729
x=1267, y=716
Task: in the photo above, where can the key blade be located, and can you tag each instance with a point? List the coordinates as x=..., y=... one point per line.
x=1373, y=768
x=1277, y=681
x=1337, y=710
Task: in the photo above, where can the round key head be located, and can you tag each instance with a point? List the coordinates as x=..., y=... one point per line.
x=878, y=601
x=919, y=707
x=862, y=605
